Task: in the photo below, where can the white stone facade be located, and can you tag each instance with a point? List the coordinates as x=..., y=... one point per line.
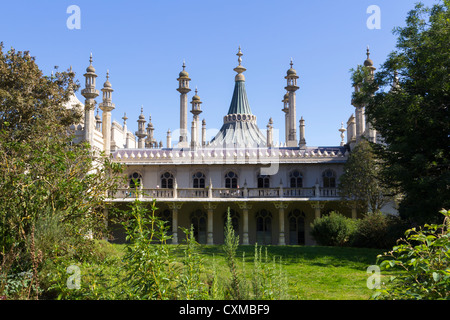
x=274, y=189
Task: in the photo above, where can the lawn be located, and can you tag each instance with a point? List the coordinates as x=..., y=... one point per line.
x=312, y=272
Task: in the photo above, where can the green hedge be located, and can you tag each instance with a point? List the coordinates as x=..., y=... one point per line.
x=333, y=230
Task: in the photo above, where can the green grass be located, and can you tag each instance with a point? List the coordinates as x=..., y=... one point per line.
x=313, y=272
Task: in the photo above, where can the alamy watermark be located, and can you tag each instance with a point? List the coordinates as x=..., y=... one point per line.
x=374, y=20
x=374, y=280
x=74, y=20
x=74, y=281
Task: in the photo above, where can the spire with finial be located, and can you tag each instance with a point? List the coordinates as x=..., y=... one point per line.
x=240, y=69
x=368, y=62
x=342, y=130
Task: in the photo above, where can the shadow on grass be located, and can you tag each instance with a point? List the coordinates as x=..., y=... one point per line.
x=313, y=255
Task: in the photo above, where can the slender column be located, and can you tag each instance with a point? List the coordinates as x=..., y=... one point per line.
x=210, y=207
x=244, y=206
x=302, y=143
x=354, y=212
x=281, y=206
x=175, y=206
x=203, y=133
x=317, y=206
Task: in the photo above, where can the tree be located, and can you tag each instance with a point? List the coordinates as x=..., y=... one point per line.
x=407, y=103
x=423, y=258
x=44, y=176
x=361, y=181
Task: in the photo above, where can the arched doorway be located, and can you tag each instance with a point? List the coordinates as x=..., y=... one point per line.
x=199, y=223
x=296, y=227
x=263, y=227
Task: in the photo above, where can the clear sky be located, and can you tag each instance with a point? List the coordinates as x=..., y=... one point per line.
x=144, y=43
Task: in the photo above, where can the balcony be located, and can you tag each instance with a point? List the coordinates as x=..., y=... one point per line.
x=197, y=194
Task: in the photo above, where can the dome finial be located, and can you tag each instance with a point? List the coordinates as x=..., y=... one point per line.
x=239, y=69
x=239, y=54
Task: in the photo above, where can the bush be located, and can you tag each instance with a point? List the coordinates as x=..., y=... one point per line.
x=378, y=230
x=333, y=229
x=424, y=259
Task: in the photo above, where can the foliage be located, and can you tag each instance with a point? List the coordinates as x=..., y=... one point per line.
x=378, y=230
x=147, y=266
x=333, y=229
x=268, y=281
x=230, y=247
x=424, y=258
x=361, y=181
x=46, y=181
x=407, y=103
x=191, y=283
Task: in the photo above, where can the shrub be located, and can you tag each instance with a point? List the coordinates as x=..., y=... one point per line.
x=333, y=229
x=424, y=258
x=378, y=230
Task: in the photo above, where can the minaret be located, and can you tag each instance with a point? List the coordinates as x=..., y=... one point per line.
x=302, y=143
x=183, y=89
x=107, y=106
x=270, y=133
x=150, y=141
x=125, y=130
x=291, y=77
x=196, y=110
x=203, y=133
x=370, y=132
x=169, y=139
x=286, y=116
x=90, y=93
x=141, y=134
x=98, y=122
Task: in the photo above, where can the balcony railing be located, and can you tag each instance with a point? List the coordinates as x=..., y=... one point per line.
x=205, y=193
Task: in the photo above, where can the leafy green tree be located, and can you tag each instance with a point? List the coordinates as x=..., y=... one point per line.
x=408, y=104
x=424, y=260
x=362, y=182
x=43, y=175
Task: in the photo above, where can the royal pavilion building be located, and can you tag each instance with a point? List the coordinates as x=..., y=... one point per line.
x=273, y=189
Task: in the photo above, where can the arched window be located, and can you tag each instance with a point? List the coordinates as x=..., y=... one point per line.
x=135, y=180
x=198, y=221
x=231, y=180
x=296, y=227
x=263, y=227
x=296, y=179
x=198, y=180
x=329, y=179
x=263, y=181
x=167, y=180
x=234, y=220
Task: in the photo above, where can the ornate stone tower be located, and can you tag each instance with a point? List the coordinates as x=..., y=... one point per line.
x=141, y=134
x=107, y=106
x=196, y=110
x=150, y=141
x=286, y=116
x=291, y=77
x=183, y=89
x=363, y=128
x=89, y=93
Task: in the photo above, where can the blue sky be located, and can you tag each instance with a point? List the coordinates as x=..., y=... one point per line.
x=143, y=44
